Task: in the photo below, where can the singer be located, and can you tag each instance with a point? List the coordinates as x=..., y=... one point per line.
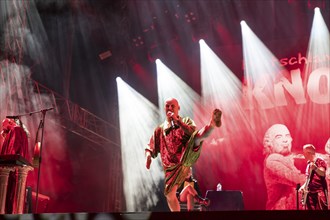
x=179, y=144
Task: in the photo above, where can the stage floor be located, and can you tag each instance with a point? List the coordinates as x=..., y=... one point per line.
x=205, y=215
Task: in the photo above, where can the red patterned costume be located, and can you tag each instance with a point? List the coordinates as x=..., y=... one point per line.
x=177, y=151
x=179, y=143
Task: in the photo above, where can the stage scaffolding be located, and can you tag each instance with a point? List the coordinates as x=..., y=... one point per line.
x=16, y=98
x=78, y=120
x=81, y=122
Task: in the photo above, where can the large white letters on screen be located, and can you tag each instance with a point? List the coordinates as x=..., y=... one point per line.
x=317, y=88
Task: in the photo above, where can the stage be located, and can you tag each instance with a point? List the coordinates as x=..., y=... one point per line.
x=87, y=81
x=206, y=215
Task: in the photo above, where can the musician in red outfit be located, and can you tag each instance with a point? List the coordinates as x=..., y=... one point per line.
x=179, y=144
x=15, y=142
x=315, y=189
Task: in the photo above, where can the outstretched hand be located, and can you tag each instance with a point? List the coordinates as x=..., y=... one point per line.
x=216, y=118
x=148, y=161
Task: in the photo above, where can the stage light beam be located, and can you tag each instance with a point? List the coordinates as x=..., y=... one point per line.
x=316, y=79
x=138, y=118
x=221, y=89
x=170, y=85
x=318, y=53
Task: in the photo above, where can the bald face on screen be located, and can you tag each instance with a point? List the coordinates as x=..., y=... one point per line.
x=278, y=140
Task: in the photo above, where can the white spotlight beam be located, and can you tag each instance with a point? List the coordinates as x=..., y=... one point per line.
x=259, y=62
x=319, y=44
x=262, y=71
x=220, y=86
x=316, y=80
x=138, y=118
x=170, y=85
x=317, y=69
x=221, y=89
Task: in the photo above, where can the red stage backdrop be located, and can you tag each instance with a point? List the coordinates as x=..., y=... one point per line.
x=234, y=155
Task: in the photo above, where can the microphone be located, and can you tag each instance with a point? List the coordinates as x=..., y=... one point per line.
x=172, y=124
x=169, y=114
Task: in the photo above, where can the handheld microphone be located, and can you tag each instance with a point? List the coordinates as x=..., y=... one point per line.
x=170, y=114
x=172, y=123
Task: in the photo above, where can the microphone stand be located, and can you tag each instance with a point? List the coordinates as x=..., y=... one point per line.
x=41, y=127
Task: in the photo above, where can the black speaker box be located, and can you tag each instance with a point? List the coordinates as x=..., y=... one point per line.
x=228, y=200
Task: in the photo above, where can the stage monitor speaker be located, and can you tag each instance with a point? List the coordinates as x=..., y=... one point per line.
x=228, y=200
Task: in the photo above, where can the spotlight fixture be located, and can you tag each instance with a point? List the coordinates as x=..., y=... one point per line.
x=138, y=41
x=190, y=17
x=104, y=55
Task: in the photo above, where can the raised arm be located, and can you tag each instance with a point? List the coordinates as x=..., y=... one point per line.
x=206, y=131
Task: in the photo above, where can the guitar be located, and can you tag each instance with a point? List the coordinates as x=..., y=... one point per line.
x=305, y=190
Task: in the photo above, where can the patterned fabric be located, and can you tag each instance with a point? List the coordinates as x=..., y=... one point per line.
x=177, y=151
x=281, y=178
x=317, y=187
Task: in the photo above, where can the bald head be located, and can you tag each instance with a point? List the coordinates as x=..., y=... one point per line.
x=277, y=139
x=171, y=100
x=171, y=107
x=275, y=129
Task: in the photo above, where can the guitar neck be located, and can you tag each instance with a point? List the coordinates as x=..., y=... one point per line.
x=305, y=192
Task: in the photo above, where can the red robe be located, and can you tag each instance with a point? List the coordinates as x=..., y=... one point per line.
x=177, y=151
x=15, y=142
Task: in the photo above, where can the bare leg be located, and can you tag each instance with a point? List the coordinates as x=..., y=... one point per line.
x=172, y=200
x=190, y=195
x=190, y=202
x=188, y=190
x=187, y=195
